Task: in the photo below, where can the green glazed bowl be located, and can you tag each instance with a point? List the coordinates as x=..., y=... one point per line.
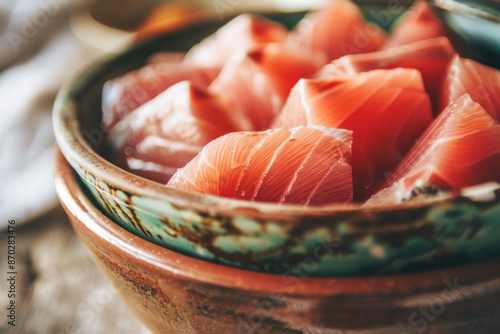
x=336, y=241
x=474, y=24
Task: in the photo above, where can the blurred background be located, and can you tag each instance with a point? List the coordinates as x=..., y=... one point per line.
x=43, y=44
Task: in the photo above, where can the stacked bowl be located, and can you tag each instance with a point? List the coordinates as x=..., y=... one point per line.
x=185, y=262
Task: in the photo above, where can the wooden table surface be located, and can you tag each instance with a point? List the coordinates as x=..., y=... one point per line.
x=60, y=290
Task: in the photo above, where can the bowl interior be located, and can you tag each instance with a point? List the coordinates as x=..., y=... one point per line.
x=82, y=137
x=82, y=128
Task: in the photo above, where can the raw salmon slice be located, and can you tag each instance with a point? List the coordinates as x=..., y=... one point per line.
x=336, y=30
x=418, y=24
x=387, y=110
x=126, y=93
x=429, y=56
x=256, y=84
x=460, y=149
x=167, y=132
x=482, y=83
x=243, y=33
x=304, y=165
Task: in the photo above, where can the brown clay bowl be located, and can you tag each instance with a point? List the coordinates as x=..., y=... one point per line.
x=174, y=293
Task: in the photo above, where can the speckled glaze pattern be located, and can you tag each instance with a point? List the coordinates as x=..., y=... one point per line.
x=352, y=243
x=336, y=241
x=173, y=293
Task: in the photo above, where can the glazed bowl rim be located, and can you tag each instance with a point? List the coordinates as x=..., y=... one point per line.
x=69, y=137
x=151, y=257
x=465, y=9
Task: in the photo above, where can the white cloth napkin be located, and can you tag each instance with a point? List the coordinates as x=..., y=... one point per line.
x=38, y=53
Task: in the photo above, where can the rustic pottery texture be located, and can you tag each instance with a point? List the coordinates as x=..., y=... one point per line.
x=173, y=293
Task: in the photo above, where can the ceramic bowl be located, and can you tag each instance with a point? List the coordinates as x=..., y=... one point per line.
x=174, y=293
x=340, y=240
x=475, y=24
